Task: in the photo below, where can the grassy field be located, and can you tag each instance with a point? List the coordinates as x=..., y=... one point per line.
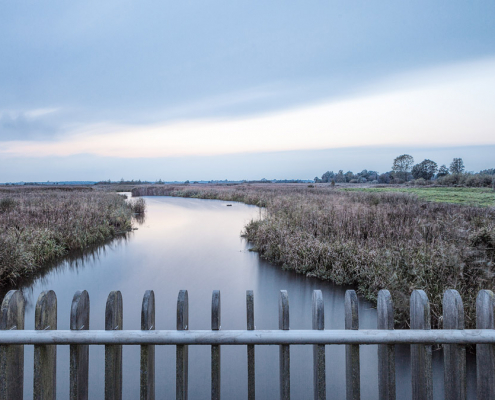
x=370, y=239
x=457, y=195
x=38, y=225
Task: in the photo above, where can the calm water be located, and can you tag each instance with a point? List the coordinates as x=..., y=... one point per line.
x=196, y=245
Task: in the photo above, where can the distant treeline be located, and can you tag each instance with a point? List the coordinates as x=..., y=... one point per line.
x=426, y=172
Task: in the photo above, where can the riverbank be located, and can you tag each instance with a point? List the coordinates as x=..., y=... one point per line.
x=373, y=240
x=40, y=225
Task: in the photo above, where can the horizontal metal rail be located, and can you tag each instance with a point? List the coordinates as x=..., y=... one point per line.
x=239, y=337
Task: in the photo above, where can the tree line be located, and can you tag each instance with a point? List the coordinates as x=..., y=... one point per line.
x=405, y=170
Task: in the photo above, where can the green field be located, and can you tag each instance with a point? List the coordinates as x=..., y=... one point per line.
x=470, y=196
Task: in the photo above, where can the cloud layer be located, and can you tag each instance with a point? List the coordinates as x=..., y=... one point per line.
x=446, y=106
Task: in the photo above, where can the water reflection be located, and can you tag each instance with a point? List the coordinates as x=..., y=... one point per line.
x=196, y=245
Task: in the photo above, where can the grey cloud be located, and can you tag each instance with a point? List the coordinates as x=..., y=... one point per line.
x=22, y=126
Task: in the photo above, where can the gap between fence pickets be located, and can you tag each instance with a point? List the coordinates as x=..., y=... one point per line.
x=258, y=337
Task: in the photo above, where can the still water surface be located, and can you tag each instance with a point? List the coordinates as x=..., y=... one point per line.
x=196, y=245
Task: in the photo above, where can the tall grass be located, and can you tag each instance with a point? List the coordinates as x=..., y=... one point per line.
x=374, y=241
x=37, y=226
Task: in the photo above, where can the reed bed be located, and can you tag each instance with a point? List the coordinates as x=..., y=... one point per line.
x=373, y=241
x=38, y=226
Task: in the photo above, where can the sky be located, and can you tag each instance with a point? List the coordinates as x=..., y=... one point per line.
x=242, y=90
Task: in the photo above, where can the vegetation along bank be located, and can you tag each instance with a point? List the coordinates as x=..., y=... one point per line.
x=373, y=240
x=38, y=225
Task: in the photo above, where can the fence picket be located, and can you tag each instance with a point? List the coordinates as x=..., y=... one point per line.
x=250, y=347
x=182, y=365
x=147, y=374
x=215, y=350
x=352, y=367
x=12, y=356
x=113, y=353
x=454, y=355
x=45, y=356
x=421, y=354
x=485, y=353
x=79, y=354
x=284, y=349
x=318, y=323
x=386, y=353
x=453, y=337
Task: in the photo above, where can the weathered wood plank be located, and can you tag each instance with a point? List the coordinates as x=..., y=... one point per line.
x=318, y=323
x=386, y=353
x=485, y=353
x=114, y=318
x=45, y=356
x=12, y=356
x=284, y=350
x=454, y=355
x=182, y=361
x=215, y=350
x=147, y=374
x=352, y=366
x=421, y=369
x=79, y=354
x=250, y=347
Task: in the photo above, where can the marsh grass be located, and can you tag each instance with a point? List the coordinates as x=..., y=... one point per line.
x=484, y=197
x=372, y=240
x=38, y=226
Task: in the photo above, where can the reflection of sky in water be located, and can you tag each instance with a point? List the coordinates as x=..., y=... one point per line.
x=196, y=245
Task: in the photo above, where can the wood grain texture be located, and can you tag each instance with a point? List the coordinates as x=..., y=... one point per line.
x=12, y=356
x=147, y=373
x=79, y=354
x=352, y=366
x=386, y=353
x=45, y=356
x=114, y=319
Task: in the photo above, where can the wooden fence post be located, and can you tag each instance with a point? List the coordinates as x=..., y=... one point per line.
x=215, y=349
x=284, y=349
x=318, y=323
x=352, y=367
x=182, y=361
x=113, y=353
x=12, y=357
x=147, y=375
x=386, y=353
x=250, y=347
x=45, y=356
x=79, y=354
x=421, y=354
x=485, y=353
x=454, y=355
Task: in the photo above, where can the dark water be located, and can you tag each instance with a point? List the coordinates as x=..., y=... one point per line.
x=196, y=245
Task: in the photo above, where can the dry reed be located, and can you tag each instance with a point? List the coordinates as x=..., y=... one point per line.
x=37, y=226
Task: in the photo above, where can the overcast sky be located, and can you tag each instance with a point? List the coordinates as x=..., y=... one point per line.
x=242, y=90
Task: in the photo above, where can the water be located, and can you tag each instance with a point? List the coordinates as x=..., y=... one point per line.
x=196, y=245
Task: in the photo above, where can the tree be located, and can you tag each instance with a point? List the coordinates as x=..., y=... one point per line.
x=426, y=169
x=327, y=176
x=457, y=166
x=349, y=175
x=340, y=176
x=443, y=171
x=402, y=165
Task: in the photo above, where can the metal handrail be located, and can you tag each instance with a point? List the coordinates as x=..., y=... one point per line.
x=248, y=337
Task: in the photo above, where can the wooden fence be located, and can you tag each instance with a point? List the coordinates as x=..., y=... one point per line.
x=454, y=337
